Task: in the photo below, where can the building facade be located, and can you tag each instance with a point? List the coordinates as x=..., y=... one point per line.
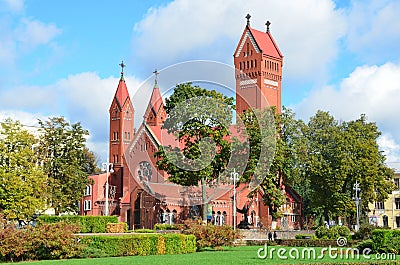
x=141, y=195
x=387, y=213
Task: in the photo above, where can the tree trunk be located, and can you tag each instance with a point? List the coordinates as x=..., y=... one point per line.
x=204, y=206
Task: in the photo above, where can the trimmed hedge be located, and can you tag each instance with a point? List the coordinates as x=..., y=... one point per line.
x=88, y=224
x=120, y=227
x=142, y=245
x=168, y=227
x=386, y=241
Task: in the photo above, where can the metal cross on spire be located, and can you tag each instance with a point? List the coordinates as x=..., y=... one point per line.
x=156, y=74
x=122, y=68
x=248, y=19
x=267, y=24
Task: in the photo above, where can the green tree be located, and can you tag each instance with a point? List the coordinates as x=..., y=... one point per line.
x=62, y=148
x=91, y=162
x=200, y=119
x=276, y=153
x=21, y=177
x=338, y=156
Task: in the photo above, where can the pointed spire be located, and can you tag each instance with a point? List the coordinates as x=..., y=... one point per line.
x=267, y=24
x=122, y=91
x=122, y=69
x=248, y=19
x=155, y=105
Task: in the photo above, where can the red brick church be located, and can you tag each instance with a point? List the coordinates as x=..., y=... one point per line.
x=140, y=194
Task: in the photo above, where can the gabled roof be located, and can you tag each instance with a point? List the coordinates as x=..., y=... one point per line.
x=155, y=102
x=262, y=41
x=122, y=92
x=266, y=43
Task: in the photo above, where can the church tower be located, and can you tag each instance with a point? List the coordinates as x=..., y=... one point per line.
x=258, y=64
x=121, y=130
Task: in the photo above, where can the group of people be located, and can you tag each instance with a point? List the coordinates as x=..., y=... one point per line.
x=272, y=236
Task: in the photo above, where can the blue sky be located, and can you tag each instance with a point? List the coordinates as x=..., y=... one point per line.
x=61, y=57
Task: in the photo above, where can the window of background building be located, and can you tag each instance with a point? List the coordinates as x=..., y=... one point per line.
x=397, y=202
x=397, y=183
x=379, y=205
x=87, y=205
x=88, y=190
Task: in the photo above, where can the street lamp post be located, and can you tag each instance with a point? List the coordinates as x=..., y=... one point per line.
x=234, y=177
x=357, y=200
x=109, y=168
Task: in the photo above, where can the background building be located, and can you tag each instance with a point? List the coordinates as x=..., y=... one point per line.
x=387, y=213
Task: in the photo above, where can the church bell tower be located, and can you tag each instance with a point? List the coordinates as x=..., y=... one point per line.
x=258, y=74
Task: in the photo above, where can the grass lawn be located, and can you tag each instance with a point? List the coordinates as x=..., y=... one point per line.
x=232, y=255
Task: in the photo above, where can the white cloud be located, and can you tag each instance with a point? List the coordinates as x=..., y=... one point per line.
x=15, y=5
x=33, y=32
x=374, y=29
x=32, y=98
x=83, y=97
x=371, y=90
x=20, y=36
x=184, y=29
x=390, y=147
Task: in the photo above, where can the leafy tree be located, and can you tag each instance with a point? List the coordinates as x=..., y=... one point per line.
x=21, y=178
x=338, y=156
x=275, y=155
x=62, y=148
x=200, y=119
x=91, y=162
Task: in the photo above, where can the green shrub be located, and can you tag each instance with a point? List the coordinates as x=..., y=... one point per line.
x=364, y=244
x=305, y=236
x=365, y=232
x=334, y=232
x=321, y=232
x=143, y=245
x=386, y=241
x=46, y=241
x=88, y=224
x=211, y=235
x=168, y=227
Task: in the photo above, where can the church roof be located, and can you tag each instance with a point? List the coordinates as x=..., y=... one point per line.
x=266, y=42
x=155, y=102
x=122, y=92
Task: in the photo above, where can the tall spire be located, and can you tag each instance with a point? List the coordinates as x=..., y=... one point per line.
x=248, y=19
x=122, y=69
